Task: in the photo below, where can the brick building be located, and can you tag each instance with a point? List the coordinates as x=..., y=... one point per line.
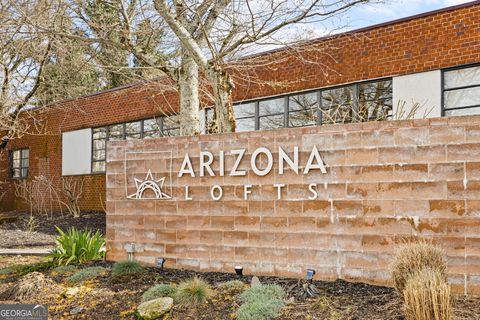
x=428, y=63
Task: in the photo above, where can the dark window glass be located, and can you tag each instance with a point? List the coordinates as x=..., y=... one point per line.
x=245, y=110
x=375, y=101
x=133, y=130
x=272, y=106
x=20, y=163
x=461, y=90
x=302, y=110
x=272, y=122
x=338, y=105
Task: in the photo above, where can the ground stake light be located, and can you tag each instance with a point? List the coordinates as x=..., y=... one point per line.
x=310, y=274
x=160, y=262
x=239, y=270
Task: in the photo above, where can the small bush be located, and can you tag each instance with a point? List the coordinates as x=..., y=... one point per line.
x=269, y=291
x=126, y=267
x=193, y=292
x=23, y=269
x=76, y=246
x=232, y=285
x=86, y=274
x=413, y=257
x=260, y=309
x=427, y=296
x=262, y=302
x=159, y=291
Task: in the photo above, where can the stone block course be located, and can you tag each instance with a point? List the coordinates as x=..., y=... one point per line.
x=366, y=205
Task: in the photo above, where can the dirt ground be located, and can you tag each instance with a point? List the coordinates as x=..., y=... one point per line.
x=110, y=297
x=13, y=230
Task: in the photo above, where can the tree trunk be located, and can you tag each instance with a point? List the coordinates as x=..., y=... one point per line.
x=222, y=91
x=189, y=100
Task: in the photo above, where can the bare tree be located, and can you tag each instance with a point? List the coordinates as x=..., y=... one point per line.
x=213, y=32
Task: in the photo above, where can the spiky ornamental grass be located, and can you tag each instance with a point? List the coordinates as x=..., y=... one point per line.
x=126, y=268
x=159, y=291
x=414, y=257
x=194, y=291
x=427, y=296
x=77, y=246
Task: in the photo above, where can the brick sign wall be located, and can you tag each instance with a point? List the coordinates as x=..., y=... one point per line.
x=382, y=183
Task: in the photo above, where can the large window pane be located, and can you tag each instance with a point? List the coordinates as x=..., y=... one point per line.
x=462, y=98
x=115, y=132
x=272, y=122
x=462, y=77
x=133, y=130
x=302, y=101
x=375, y=100
x=462, y=112
x=272, y=106
x=303, y=118
x=244, y=110
x=303, y=110
x=246, y=124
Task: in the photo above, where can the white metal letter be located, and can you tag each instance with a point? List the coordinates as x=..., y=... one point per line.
x=186, y=163
x=222, y=163
x=253, y=161
x=293, y=164
x=279, y=187
x=220, y=192
x=312, y=187
x=234, y=172
x=315, y=155
x=187, y=193
x=246, y=191
x=206, y=159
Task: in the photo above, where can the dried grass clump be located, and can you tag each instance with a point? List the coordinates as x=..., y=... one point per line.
x=29, y=287
x=427, y=296
x=413, y=257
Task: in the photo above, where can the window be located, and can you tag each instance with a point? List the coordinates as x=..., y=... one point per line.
x=148, y=128
x=19, y=161
x=367, y=101
x=245, y=115
x=303, y=110
x=461, y=91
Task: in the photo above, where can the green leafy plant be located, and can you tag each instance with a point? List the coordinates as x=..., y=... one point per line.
x=262, y=302
x=159, y=291
x=194, y=291
x=77, y=246
x=86, y=274
x=126, y=267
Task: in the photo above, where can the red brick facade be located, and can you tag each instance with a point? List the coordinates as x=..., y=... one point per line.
x=432, y=41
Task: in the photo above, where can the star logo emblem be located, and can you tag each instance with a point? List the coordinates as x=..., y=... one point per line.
x=149, y=184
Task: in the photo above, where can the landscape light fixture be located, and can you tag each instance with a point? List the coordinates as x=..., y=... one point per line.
x=310, y=274
x=239, y=270
x=160, y=262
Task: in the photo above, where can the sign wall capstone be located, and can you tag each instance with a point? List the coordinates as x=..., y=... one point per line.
x=338, y=199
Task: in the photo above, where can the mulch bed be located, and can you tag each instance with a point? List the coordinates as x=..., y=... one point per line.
x=13, y=235
x=110, y=297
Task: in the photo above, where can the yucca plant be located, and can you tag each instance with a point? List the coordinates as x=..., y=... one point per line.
x=77, y=246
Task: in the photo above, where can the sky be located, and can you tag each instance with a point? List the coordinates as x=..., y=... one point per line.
x=395, y=9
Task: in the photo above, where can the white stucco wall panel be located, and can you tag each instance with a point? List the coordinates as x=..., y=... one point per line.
x=424, y=88
x=76, y=152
